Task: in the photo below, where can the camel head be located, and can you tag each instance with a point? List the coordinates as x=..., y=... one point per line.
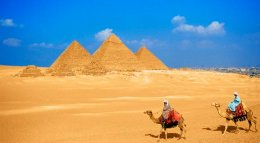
x=149, y=113
x=215, y=104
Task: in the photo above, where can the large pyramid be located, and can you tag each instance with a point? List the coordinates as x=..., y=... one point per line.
x=73, y=59
x=94, y=68
x=150, y=61
x=113, y=55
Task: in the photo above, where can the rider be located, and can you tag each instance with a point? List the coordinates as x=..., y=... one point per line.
x=166, y=109
x=232, y=106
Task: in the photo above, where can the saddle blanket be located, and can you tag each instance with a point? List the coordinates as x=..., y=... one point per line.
x=239, y=111
x=174, y=116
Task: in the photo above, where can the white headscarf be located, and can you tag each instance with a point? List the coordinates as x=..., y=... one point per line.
x=166, y=101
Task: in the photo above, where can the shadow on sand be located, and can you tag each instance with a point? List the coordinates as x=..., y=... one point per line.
x=162, y=135
x=230, y=129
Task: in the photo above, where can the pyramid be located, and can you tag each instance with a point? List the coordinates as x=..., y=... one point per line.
x=150, y=61
x=30, y=71
x=113, y=55
x=62, y=70
x=73, y=59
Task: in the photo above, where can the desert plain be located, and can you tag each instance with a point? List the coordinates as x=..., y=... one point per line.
x=110, y=108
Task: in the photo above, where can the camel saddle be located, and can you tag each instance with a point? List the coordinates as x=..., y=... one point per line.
x=239, y=111
x=174, y=117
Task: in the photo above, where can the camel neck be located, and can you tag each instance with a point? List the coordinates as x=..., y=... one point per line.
x=154, y=119
x=221, y=113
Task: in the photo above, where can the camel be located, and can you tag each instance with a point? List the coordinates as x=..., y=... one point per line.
x=249, y=117
x=180, y=124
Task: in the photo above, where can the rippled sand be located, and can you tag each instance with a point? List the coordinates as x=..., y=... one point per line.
x=110, y=108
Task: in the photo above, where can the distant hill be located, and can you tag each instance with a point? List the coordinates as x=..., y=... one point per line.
x=252, y=72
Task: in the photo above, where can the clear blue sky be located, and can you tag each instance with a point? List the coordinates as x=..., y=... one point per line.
x=182, y=33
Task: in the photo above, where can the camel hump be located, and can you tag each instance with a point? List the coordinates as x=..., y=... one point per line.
x=245, y=107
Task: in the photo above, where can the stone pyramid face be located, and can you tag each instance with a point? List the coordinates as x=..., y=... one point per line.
x=113, y=55
x=150, y=61
x=94, y=68
x=73, y=58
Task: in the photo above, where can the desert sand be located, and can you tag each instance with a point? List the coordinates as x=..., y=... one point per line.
x=109, y=108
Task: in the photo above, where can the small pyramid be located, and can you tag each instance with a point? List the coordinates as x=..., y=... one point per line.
x=73, y=59
x=150, y=61
x=113, y=55
x=30, y=71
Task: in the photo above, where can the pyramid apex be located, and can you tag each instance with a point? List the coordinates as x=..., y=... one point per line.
x=143, y=47
x=75, y=42
x=113, y=38
x=112, y=34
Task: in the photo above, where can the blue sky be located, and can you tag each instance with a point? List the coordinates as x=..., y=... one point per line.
x=205, y=33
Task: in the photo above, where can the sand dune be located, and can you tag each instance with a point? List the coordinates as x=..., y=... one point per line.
x=46, y=108
x=131, y=98
x=109, y=108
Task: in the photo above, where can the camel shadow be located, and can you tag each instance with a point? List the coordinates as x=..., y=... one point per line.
x=230, y=129
x=162, y=135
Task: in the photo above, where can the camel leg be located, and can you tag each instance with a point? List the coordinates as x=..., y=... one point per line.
x=237, y=130
x=181, y=126
x=181, y=132
x=165, y=131
x=251, y=118
x=184, y=129
x=227, y=121
x=254, y=121
x=250, y=124
x=159, y=135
